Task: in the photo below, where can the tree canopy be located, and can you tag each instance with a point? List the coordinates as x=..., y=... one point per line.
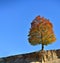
x=41, y=32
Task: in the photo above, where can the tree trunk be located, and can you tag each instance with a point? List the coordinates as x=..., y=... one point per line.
x=42, y=47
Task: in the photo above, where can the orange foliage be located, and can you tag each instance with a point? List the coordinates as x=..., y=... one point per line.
x=38, y=18
x=41, y=31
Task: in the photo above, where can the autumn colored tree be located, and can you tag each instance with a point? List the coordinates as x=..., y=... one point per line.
x=41, y=32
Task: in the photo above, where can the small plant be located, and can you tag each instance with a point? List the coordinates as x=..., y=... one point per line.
x=41, y=32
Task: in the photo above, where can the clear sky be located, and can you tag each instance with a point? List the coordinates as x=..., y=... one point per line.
x=15, y=19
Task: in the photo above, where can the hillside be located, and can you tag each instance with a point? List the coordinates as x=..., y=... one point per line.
x=49, y=56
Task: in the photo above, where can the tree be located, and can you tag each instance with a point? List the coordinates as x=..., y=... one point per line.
x=41, y=32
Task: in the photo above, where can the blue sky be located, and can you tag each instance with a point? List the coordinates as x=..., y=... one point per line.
x=15, y=19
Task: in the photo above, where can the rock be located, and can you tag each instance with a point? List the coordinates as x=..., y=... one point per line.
x=50, y=56
x=2, y=60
